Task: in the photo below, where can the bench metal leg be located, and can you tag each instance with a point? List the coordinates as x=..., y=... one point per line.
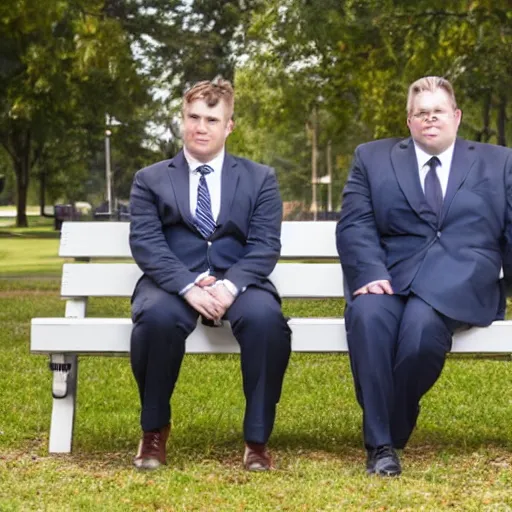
x=65, y=370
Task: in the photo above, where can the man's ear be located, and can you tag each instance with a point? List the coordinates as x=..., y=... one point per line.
x=230, y=127
x=458, y=115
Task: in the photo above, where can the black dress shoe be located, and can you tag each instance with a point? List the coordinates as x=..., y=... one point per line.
x=383, y=461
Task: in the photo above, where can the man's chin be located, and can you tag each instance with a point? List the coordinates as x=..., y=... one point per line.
x=200, y=153
x=432, y=146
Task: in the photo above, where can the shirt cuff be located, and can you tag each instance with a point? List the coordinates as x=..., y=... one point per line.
x=200, y=277
x=186, y=289
x=230, y=287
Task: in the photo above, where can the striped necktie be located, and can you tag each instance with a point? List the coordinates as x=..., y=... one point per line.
x=204, y=218
x=433, y=191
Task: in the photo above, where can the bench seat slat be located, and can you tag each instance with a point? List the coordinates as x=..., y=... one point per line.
x=119, y=279
x=110, y=240
x=112, y=335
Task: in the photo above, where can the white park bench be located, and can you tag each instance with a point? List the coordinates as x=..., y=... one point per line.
x=64, y=339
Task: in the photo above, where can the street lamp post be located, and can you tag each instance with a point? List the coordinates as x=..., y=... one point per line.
x=314, y=176
x=329, y=174
x=108, y=171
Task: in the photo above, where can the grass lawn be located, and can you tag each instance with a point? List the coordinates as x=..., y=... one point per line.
x=460, y=457
x=30, y=252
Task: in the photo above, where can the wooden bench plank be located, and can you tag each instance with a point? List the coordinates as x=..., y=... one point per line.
x=110, y=240
x=112, y=335
x=118, y=279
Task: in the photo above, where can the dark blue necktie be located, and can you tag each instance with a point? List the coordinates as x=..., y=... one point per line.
x=204, y=217
x=433, y=191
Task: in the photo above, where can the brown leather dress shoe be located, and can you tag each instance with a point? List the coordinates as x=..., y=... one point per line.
x=151, y=452
x=256, y=457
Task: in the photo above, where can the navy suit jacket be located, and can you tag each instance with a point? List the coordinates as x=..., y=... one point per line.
x=388, y=231
x=169, y=249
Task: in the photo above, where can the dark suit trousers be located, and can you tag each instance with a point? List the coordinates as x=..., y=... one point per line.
x=161, y=324
x=397, y=347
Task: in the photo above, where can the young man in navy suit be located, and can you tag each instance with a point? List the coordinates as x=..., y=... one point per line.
x=425, y=230
x=205, y=231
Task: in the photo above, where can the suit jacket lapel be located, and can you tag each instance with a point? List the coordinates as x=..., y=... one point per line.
x=179, y=175
x=229, y=184
x=405, y=165
x=463, y=159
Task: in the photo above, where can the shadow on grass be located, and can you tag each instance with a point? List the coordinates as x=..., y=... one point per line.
x=453, y=442
x=199, y=445
x=228, y=451
x=286, y=451
x=29, y=233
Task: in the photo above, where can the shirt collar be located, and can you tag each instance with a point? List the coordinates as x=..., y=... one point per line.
x=216, y=163
x=445, y=157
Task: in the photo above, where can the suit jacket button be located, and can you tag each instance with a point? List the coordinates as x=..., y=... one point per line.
x=209, y=243
x=438, y=234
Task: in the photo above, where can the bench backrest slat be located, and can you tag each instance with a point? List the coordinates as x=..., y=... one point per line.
x=119, y=279
x=110, y=240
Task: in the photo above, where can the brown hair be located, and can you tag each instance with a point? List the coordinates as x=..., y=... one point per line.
x=429, y=83
x=211, y=92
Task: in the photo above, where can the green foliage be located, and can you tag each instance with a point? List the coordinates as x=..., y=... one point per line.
x=336, y=69
x=353, y=61
x=65, y=65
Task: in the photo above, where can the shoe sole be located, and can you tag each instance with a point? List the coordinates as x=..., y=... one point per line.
x=257, y=469
x=383, y=473
x=147, y=464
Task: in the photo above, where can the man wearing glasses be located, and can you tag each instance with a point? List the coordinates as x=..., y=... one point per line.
x=425, y=228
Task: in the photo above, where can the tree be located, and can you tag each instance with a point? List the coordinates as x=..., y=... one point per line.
x=63, y=65
x=352, y=61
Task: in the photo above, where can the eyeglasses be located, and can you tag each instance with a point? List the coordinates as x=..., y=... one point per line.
x=436, y=115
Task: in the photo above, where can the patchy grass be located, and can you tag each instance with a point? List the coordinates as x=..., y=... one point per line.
x=460, y=456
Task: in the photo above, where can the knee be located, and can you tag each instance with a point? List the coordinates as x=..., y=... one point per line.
x=262, y=322
x=367, y=311
x=262, y=317
x=159, y=316
x=424, y=343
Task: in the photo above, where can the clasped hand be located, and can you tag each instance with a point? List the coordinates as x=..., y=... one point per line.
x=209, y=298
x=380, y=287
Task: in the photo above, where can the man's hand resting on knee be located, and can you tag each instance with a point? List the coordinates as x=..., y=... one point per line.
x=205, y=303
x=375, y=287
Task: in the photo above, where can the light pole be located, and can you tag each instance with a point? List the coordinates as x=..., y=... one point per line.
x=314, y=176
x=329, y=174
x=108, y=172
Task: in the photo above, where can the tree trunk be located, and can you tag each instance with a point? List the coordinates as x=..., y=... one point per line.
x=502, y=121
x=42, y=192
x=42, y=196
x=20, y=149
x=485, y=134
x=21, y=197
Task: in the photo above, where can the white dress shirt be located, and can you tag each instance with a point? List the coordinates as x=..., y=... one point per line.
x=213, y=181
x=443, y=170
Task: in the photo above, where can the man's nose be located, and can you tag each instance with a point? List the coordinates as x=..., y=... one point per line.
x=430, y=117
x=201, y=125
